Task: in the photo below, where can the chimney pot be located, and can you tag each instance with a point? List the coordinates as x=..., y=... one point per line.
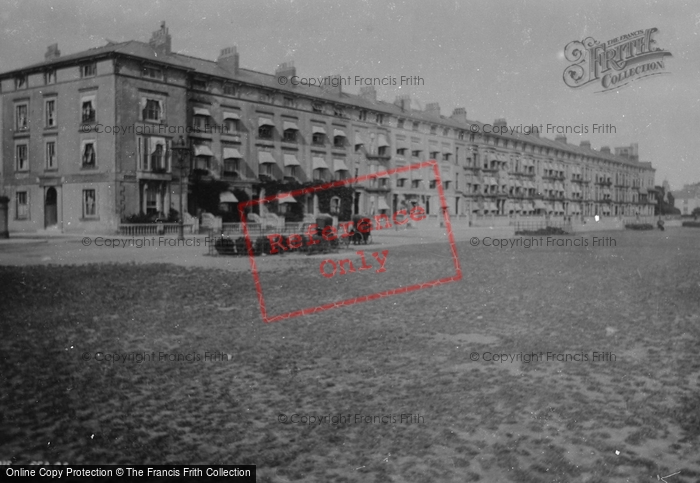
x=286, y=69
x=52, y=52
x=228, y=59
x=161, y=40
x=459, y=114
x=403, y=101
x=369, y=93
x=433, y=108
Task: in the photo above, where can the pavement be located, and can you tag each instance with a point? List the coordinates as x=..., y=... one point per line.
x=195, y=250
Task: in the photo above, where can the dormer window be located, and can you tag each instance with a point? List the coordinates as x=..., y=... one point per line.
x=152, y=72
x=50, y=77
x=88, y=70
x=229, y=89
x=21, y=82
x=199, y=84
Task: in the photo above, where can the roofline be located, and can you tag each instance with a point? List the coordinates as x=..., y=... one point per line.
x=378, y=105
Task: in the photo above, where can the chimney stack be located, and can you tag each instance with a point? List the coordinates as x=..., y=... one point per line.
x=560, y=138
x=228, y=59
x=161, y=40
x=433, y=108
x=333, y=84
x=586, y=144
x=404, y=102
x=52, y=52
x=286, y=69
x=500, y=122
x=459, y=114
x=605, y=149
x=369, y=93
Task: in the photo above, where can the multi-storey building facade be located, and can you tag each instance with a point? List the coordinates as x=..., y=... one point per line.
x=86, y=141
x=687, y=200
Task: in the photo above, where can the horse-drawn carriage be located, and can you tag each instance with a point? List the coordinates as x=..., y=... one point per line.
x=327, y=237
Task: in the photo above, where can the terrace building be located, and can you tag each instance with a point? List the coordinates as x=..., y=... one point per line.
x=87, y=141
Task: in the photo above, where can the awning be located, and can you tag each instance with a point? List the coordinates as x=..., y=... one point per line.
x=446, y=175
x=200, y=111
x=339, y=165
x=401, y=145
x=382, y=141
x=493, y=181
x=290, y=160
x=265, y=157
x=202, y=150
x=231, y=153
x=263, y=121
x=232, y=115
x=286, y=198
x=227, y=197
x=319, y=163
x=358, y=139
x=539, y=205
x=383, y=175
x=381, y=205
x=404, y=174
x=643, y=190
x=416, y=174
x=290, y=125
x=317, y=130
x=338, y=132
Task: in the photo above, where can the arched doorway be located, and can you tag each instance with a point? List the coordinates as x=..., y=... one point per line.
x=50, y=208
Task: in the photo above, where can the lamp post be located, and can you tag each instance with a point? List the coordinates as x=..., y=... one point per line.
x=182, y=150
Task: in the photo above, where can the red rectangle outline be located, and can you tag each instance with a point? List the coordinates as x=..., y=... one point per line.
x=365, y=298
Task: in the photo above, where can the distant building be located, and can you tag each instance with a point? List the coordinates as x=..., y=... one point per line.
x=687, y=199
x=86, y=141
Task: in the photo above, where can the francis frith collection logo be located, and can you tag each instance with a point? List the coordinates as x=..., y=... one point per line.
x=615, y=63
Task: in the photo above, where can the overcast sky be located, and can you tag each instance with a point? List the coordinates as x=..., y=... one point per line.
x=496, y=59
